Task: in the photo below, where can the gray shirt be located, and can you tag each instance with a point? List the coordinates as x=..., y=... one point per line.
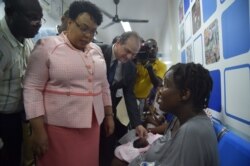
x=194, y=144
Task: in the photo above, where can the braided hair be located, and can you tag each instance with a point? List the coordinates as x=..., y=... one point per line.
x=195, y=78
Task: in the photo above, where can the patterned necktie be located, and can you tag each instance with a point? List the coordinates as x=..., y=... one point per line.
x=112, y=72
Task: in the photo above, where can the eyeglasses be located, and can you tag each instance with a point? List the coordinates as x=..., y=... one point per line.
x=85, y=29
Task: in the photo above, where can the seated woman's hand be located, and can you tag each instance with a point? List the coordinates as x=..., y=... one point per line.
x=152, y=120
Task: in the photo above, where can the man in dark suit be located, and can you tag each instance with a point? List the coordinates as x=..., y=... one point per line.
x=121, y=78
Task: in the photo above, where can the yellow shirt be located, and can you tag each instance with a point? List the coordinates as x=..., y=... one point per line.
x=143, y=83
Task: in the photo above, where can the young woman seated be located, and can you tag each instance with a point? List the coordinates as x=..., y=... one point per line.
x=185, y=94
x=155, y=120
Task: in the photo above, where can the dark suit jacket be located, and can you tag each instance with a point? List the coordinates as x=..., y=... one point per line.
x=127, y=84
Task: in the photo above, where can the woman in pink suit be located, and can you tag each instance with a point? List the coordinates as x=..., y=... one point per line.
x=66, y=92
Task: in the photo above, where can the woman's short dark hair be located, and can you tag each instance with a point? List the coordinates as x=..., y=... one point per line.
x=78, y=7
x=66, y=14
x=195, y=78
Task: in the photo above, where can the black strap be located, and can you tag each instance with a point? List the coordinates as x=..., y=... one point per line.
x=223, y=131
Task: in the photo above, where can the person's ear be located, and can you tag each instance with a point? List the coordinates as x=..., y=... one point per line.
x=156, y=49
x=69, y=23
x=63, y=18
x=186, y=95
x=118, y=42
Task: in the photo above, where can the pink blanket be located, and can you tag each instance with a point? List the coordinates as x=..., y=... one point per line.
x=127, y=152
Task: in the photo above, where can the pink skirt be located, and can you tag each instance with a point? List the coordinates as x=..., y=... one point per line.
x=72, y=147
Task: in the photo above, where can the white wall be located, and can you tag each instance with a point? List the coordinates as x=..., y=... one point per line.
x=171, y=45
x=50, y=21
x=1, y=10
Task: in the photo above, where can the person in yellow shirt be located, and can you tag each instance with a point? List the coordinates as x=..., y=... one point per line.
x=150, y=71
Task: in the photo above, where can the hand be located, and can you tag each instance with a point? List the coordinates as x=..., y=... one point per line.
x=141, y=131
x=151, y=119
x=148, y=65
x=109, y=125
x=40, y=143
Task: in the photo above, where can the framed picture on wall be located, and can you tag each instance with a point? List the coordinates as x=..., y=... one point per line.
x=186, y=5
x=211, y=40
x=181, y=11
x=196, y=16
x=182, y=35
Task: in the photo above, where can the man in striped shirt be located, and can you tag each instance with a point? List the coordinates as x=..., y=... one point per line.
x=22, y=20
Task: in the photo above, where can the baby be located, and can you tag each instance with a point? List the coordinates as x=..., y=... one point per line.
x=140, y=143
x=127, y=152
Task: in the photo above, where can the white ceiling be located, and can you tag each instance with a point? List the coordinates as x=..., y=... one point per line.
x=153, y=10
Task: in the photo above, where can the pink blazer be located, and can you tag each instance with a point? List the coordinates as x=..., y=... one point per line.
x=66, y=85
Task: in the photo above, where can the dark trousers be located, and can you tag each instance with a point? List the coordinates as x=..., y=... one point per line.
x=108, y=144
x=11, y=134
